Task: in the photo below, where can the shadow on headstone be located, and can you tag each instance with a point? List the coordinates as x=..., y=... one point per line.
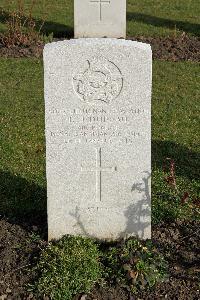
x=138, y=214
x=135, y=213
x=77, y=217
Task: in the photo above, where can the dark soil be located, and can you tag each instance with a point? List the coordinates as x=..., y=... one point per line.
x=19, y=250
x=19, y=51
x=181, y=48
x=178, y=242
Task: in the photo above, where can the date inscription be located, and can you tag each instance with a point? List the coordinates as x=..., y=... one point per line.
x=95, y=125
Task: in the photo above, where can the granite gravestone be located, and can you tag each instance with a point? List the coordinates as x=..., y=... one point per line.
x=98, y=138
x=100, y=18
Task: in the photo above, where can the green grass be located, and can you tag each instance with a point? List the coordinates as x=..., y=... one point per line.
x=22, y=117
x=176, y=127
x=145, y=17
x=68, y=267
x=163, y=18
x=175, y=135
x=22, y=146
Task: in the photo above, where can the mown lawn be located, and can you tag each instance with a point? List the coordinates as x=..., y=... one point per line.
x=22, y=148
x=144, y=17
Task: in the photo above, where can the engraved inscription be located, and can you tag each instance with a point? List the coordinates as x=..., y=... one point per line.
x=92, y=125
x=99, y=169
x=99, y=80
x=100, y=2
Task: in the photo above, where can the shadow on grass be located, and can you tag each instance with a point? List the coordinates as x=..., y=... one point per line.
x=161, y=22
x=58, y=30
x=22, y=202
x=4, y=15
x=187, y=161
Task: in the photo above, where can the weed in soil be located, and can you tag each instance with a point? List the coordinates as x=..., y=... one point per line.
x=22, y=30
x=135, y=265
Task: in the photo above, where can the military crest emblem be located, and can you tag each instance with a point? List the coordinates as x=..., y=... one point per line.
x=99, y=80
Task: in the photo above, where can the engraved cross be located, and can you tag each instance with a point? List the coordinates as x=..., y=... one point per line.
x=98, y=170
x=100, y=2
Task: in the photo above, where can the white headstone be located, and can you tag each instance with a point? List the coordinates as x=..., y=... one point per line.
x=98, y=138
x=100, y=18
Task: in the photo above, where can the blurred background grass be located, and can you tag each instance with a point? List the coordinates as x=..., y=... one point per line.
x=144, y=17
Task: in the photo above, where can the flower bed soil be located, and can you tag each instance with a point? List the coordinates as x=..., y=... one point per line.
x=178, y=242
x=180, y=48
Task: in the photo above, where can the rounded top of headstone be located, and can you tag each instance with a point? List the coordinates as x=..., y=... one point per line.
x=112, y=42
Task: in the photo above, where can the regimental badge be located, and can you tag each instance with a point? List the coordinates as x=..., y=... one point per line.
x=99, y=80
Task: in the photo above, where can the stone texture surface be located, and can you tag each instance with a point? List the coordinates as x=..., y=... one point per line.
x=98, y=138
x=100, y=18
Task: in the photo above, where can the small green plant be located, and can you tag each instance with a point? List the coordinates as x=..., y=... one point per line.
x=113, y=271
x=144, y=264
x=68, y=267
x=136, y=265
x=33, y=237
